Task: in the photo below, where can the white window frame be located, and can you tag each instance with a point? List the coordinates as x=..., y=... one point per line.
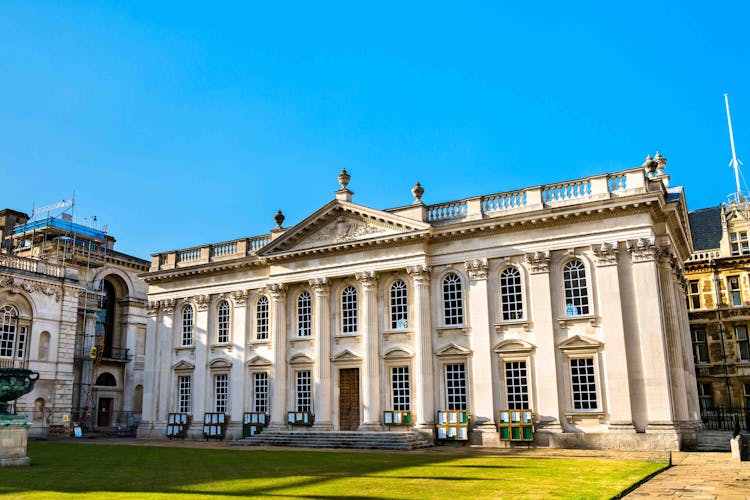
x=303, y=400
x=349, y=310
x=732, y=290
x=449, y=403
x=452, y=300
x=504, y=367
x=398, y=305
x=184, y=392
x=223, y=323
x=303, y=311
x=575, y=364
x=9, y=330
x=743, y=343
x=262, y=318
x=187, y=331
x=221, y=390
x=260, y=399
x=568, y=311
x=502, y=300
x=401, y=396
x=738, y=242
x=694, y=295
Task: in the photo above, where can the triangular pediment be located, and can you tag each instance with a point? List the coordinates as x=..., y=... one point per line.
x=453, y=350
x=340, y=223
x=579, y=342
x=346, y=355
x=258, y=361
x=514, y=346
x=183, y=365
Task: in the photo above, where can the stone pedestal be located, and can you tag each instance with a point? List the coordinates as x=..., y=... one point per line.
x=485, y=435
x=13, y=438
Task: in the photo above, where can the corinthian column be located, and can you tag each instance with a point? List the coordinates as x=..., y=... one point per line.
x=323, y=366
x=423, y=378
x=370, y=359
x=277, y=291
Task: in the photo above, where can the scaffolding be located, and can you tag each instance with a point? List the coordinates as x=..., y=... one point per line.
x=52, y=235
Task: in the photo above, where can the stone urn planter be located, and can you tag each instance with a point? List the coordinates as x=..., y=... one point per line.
x=14, y=429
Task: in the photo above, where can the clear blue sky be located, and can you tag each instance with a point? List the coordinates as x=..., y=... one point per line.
x=184, y=123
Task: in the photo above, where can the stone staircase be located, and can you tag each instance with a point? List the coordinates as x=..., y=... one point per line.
x=713, y=441
x=340, y=439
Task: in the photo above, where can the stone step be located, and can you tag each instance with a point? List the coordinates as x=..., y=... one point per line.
x=713, y=441
x=342, y=439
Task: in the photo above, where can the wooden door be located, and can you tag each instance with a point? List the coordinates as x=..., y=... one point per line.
x=349, y=399
x=104, y=413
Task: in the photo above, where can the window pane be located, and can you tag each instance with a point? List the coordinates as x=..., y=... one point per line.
x=399, y=306
x=455, y=387
x=223, y=320
x=261, y=319
x=304, y=315
x=400, y=388
x=349, y=310
x=184, y=387
x=221, y=393
x=516, y=385
x=187, y=326
x=304, y=392
x=8, y=327
x=510, y=294
x=260, y=392
x=576, y=291
x=453, y=308
x=584, y=384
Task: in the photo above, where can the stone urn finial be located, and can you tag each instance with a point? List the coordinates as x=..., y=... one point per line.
x=649, y=165
x=279, y=219
x=661, y=163
x=344, y=178
x=417, y=191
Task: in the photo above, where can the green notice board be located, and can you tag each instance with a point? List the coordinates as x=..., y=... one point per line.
x=452, y=425
x=177, y=425
x=253, y=423
x=397, y=417
x=516, y=425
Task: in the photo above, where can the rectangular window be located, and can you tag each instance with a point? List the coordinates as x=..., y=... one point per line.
x=184, y=393
x=739, y=243
x=21, y=342
x=516, y=385
x=304, y=391
x=743, y=346
x=734, y=290
x=706, y=396
x=694, y=295
x=746, y=394
x=583, y=381
x=260, y=392
x=7, y=337
x=455, y=387
x=700, y=346
x=400, y=388
x=221, y=393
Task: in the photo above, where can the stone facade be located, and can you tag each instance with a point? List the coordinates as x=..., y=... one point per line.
x=564, y=298
x=51, y=295
x=719, y=303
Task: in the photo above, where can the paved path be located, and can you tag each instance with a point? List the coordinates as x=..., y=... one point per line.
x=699, y=475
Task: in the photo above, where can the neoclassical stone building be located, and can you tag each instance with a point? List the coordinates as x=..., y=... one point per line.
x=566, y=299
x=63, y=290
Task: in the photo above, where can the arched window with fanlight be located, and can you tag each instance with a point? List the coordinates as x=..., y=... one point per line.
x=304, y=314
x=453, y=300
x=222, y=317
x=399, y=306
x=14, y=333
x=349, y=310
x=187, y=326
x=576, y=289
x=261, y=318
x=511, y=294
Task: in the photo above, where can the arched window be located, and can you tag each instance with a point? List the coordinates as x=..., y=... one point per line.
x=106, y=317
x=187, y=326
x=576, y=288
x=222, y=336
x=349, y=310
x=106, y=379
x=511, y=297
x=399, y=306
x=453, y=300
x=304, y=315
x=261, y=318
x=8, y=330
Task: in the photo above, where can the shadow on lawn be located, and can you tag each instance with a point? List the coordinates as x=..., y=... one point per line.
x=83, y=467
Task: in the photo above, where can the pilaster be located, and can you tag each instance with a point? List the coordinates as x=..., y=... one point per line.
x=371, y=359
x=277, y=291
x=322, y=333
x=165, y=339
x=237, y=342
x=202, y=388
x=423, y=378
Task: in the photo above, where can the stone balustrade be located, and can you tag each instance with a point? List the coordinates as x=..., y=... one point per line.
x=704, y=255
x=216, y=252
x=32, y=265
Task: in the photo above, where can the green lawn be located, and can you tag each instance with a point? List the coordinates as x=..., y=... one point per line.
x=87, y=470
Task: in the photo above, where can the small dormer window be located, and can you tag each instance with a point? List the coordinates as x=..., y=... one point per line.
x=739, y=243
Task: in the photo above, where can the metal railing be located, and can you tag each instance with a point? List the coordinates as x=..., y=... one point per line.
x=722, y=418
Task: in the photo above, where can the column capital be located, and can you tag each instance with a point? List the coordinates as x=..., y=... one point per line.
x=239, y=298
x=320, y=286
x=605, y=253
x=368, y=279
x=152, y=308
x=201, y=302
x=167, y=305
x=419, y=273
x=476, y=268
x=642, y=249
x=539, y=261
x=277, y=290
